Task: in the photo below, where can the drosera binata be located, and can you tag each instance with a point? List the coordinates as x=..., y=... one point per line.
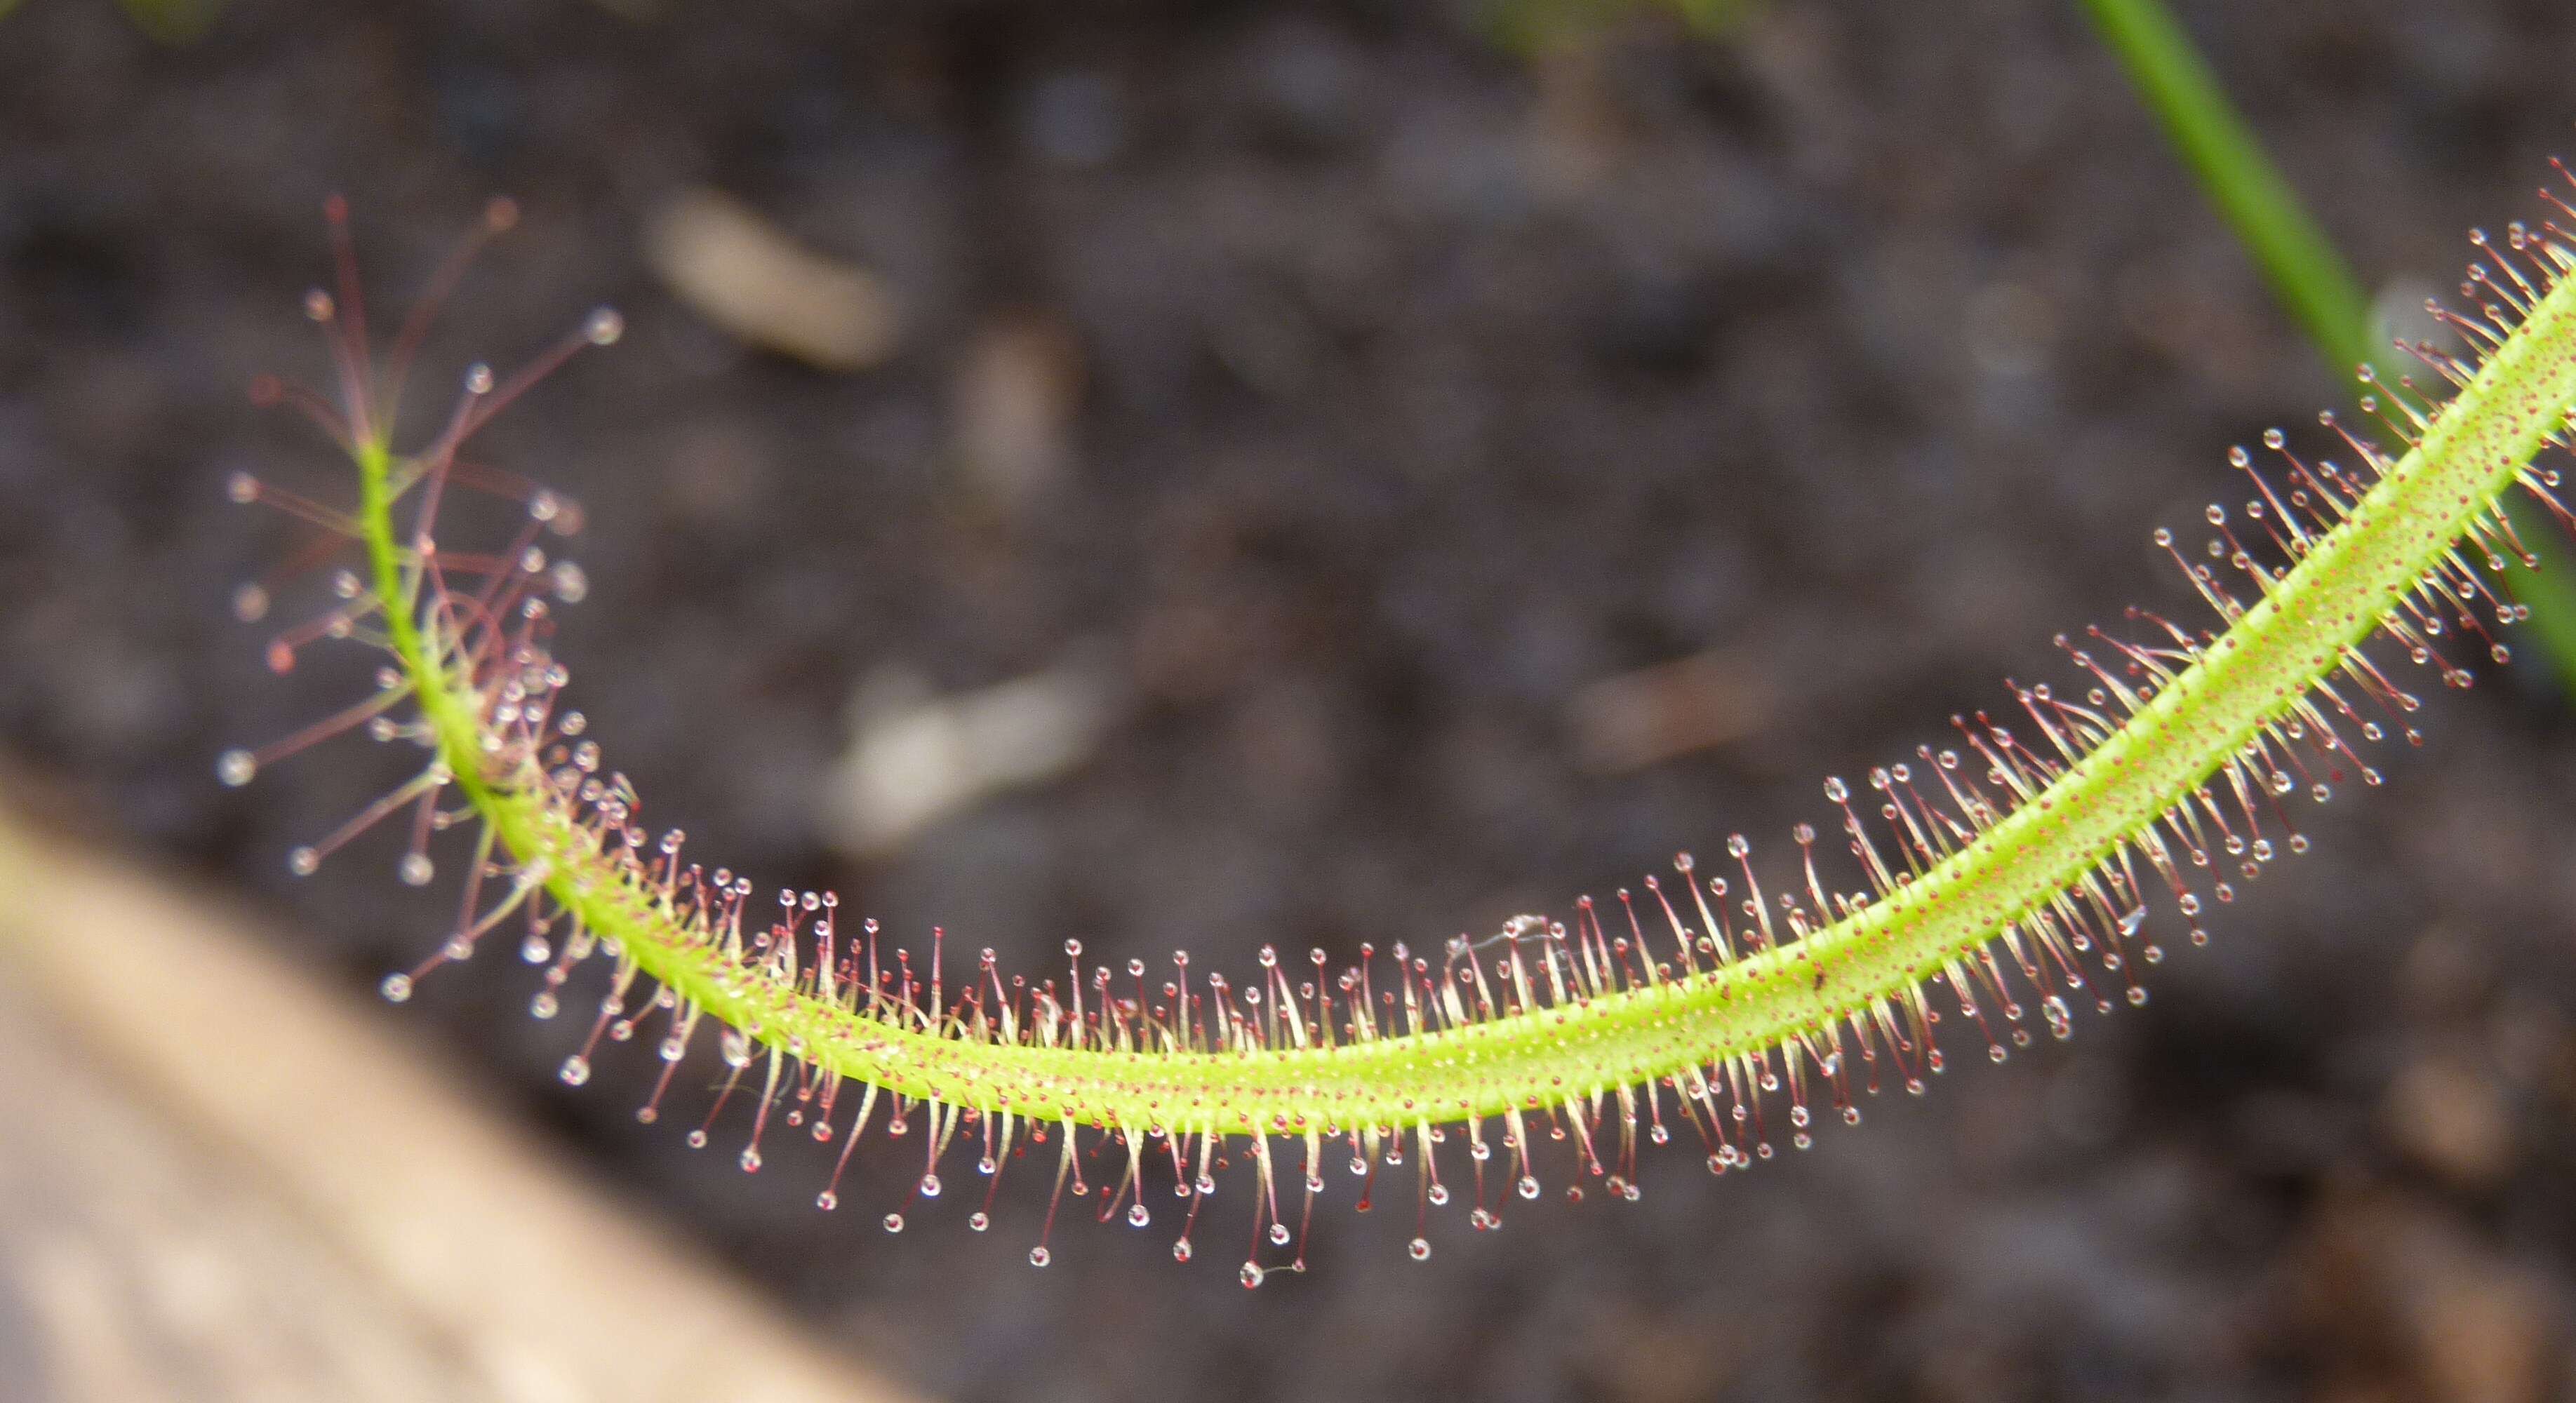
x=2025, y=868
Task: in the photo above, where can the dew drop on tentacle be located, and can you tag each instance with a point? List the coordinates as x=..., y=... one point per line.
x=2061, y=1023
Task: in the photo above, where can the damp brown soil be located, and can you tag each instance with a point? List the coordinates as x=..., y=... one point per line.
x=1459, y=478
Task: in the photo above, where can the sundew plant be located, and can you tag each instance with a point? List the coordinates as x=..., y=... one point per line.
x=2028, y=864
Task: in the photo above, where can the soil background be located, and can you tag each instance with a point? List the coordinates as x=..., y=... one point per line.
x=1371, y=392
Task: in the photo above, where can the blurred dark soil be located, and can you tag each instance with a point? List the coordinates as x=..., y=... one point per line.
x=1412, y=388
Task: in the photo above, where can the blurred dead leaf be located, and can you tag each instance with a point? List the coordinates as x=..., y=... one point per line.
x=1646, y=717
x=919, y=757
x=744, y=274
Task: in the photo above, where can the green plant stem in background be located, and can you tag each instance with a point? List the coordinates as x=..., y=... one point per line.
x=169, y=21
x=2305, y=270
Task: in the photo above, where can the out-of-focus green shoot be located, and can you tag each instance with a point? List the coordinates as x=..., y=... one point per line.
x=170, y=21
x=2305, y=271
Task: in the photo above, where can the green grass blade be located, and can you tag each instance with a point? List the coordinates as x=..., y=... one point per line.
x=2301, y=263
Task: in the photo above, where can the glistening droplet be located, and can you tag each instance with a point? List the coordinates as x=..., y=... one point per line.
x=235, y=768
